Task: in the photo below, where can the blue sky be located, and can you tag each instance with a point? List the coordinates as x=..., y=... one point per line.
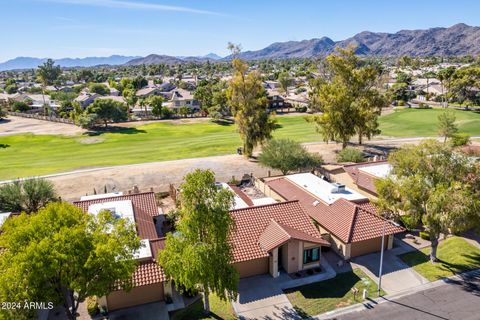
x=79, y=28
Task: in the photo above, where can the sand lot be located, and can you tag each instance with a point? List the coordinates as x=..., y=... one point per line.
x=18, y=125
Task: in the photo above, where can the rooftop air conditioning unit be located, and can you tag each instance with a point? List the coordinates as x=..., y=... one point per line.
x=338, y=187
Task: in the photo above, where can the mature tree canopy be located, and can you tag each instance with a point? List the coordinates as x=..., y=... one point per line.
x=156, y=103
x=99, y=88
x=248, y=101
x=108, y=110
x=287, y=155
x=62, y=255
x=47, y=73
x=347, y=97
x=446, y=125
x=199, y=254
x=434, y=185
x=26, y=195
x=285, y=81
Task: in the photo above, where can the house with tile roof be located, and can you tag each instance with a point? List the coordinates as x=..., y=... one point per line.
x=364, y=174
x=149, y=283
x=342, y=215
x=271, y=237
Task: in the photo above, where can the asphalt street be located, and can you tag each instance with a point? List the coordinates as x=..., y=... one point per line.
x=456, y=299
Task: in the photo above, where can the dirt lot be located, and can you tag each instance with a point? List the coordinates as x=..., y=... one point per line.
x=18, y=125
x=157, y=175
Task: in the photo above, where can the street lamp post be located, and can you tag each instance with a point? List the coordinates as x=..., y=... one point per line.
x=381, y=259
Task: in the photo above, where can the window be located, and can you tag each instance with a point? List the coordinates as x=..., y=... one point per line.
x=311, y=255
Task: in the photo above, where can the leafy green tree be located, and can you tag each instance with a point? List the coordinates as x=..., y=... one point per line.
x=86, y=120
x=460, y=139
x=198, y=255
x=434, y=185
x=63, y=255
x=350, y=155
x=285, y=81
x=248, y=102
x=463, y=85
x=47, y=74
x=26, y=195
x=287, y=155
x=20, y=106
x=3, y=114
x=156, y=103
x=139, y=82
x=99, y=88
x=11, y=89
x=108, y=110
x=446, y=125
x=130, y=98
x=347, y=98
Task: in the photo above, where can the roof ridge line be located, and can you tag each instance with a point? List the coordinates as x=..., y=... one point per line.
x=350, y=230
x=118, y=196
x=264, y=205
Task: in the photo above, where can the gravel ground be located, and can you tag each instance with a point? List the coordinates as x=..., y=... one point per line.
x=18, y=125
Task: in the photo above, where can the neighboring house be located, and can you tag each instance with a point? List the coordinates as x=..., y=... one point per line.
x=3, y=217
x=268, y=84
x=149, y=91
x=182, y=98
x=111, y=97
x=343, y=216
x=298, y=100
x=114, y=92
x=276, y=236
x=36, y=101
x=275, y=100
x=365, y=174
x=85, y=98
x=149, y=283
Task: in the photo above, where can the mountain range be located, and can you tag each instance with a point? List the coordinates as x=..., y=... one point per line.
x=457, y=40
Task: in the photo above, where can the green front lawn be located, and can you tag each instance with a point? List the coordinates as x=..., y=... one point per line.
x=28, y=155
x=219, y=310
x=455, y=253
x=323, y=296
x=423, y=122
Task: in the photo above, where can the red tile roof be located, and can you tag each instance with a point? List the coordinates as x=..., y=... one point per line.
x=348, y=221
x=252, y=222
x=242, y=195
x=361, y=178
x=276, y=234
x=144, y=209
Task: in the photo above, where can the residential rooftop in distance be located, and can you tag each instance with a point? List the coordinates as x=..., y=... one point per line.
x=324, y=190
x=101, y=196
x=380, y=170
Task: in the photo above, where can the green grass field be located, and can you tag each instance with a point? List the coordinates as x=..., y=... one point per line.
x=319, y=297
x=31, y=155
x=456, y=255
x=28, y=154
x=423, y=123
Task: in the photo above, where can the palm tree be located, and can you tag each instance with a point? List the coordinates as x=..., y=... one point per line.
x=47, y=73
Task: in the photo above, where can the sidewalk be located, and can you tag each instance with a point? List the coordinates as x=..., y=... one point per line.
x=370, y=303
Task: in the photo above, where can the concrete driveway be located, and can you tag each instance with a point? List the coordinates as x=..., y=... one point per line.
x=149, y=311
x=260, y=297
x=397, y=276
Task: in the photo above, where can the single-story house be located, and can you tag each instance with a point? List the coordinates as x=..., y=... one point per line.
x=342, y=215
x=149, y=283
x=268, y=238
x=365, y=174
x=85, y=99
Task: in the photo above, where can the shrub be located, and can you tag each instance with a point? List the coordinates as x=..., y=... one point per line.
x=350, y=155
x=301, y=108
x=400, y=103
x=422, y=105
x=424, y=235
x=459, y=139
x=20, y=106
x=86, y=121
x=92, y=306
